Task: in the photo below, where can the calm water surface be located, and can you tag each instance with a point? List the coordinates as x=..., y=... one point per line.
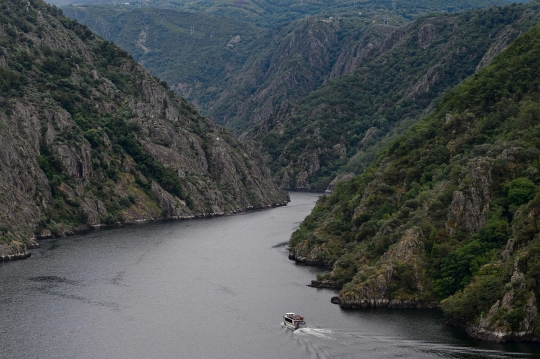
x=214, y=288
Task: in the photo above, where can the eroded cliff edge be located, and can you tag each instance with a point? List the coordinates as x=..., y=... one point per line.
x=88, y=138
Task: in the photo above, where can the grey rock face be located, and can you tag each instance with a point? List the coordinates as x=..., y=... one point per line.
x=426, y=35
x=107, y=143
x=472, y=205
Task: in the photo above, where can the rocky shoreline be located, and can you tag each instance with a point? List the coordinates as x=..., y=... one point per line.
x=359, y=303
x=22, y=250
x=495, y=336
x=386, y=303
x=472, y=330
x=16, y=250
x=479, y=332
x=305, y=260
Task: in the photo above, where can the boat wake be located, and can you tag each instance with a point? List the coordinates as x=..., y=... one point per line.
x=320, y=333
x=361, y=345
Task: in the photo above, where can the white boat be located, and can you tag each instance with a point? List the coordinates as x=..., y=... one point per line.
x=293, y=321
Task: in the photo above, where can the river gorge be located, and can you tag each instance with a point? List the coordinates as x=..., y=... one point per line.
x=207, y=288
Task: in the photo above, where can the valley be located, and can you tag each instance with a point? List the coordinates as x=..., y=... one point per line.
x=420, y=120
x=321, y=95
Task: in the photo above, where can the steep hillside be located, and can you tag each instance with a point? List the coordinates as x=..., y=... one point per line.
x=394, y=78
x=198, y=62
x=295, y=63
x=242, y=59
x=236, y=72
x=89, y=138
x=449, y=211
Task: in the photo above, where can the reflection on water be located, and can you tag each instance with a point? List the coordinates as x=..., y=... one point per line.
x=214, y=288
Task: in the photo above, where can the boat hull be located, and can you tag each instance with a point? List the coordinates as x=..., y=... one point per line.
x=294, y=326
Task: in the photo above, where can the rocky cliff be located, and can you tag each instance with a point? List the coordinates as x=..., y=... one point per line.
x=393, y=76
x=90, y=138
x=238, y=60
x=447, y=215
x=296, y=62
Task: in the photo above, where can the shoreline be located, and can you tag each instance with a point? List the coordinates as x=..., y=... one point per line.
x=472, y=331
x=32, y=243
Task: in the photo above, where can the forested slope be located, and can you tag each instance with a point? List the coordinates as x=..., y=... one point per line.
x=271, y=13
x=449, y=212
x=90, y=138
x=236, y=60
x=394, y=78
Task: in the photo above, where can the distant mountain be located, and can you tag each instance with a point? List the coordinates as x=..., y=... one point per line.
x=270, y=13
x=90, y=138
x=394, y=77
x=449, y=211
x=239, y=60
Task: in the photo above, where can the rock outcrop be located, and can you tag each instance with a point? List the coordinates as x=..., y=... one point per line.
x=511, y=318
x=90, y=138
x=373, y=290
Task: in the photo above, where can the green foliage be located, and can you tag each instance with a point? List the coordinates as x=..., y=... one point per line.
x=94, y=137
x=515, y=317
x=403, y=281
x=458, y=268
x=148, y=165
x=53, y=169
x=269, y=13
x=382, y=97
x=12, y=82
x=445, y=197
x=521, y=191
x=478, y=297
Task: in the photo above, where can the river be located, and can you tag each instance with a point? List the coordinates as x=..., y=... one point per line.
x=211, y=288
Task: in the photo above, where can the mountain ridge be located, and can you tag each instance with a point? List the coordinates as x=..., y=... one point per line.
x=394, y=78
x=237, y=91
x=310, y=73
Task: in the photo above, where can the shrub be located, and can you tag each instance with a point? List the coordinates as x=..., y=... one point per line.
x=521, y=191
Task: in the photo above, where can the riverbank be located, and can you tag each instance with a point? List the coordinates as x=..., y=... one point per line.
x=21, y=250
x=480, y=331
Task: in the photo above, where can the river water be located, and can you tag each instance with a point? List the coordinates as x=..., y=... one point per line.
x=212, y=288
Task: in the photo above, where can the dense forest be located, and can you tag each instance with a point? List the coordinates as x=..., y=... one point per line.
x=321, y=95
x=448, y=212
x=272, y=13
